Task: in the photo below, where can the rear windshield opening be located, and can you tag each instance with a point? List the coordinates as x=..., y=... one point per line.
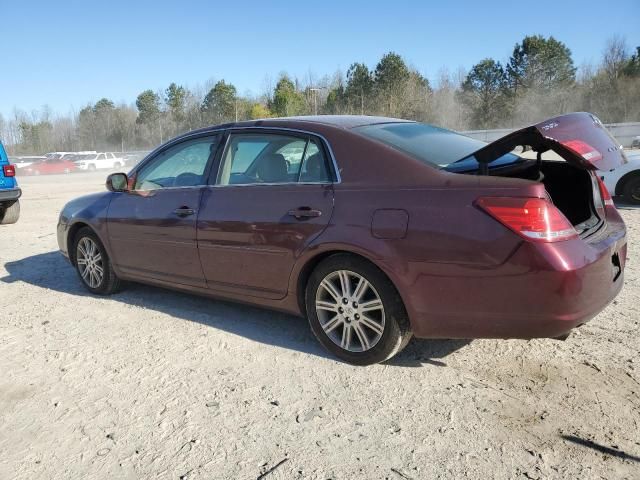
x=435, y=146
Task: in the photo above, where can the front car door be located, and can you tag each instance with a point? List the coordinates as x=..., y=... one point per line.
x=272, y=196
x=152, y=227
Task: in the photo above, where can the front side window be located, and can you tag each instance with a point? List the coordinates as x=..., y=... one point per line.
x=271, y=158
x=182, y=165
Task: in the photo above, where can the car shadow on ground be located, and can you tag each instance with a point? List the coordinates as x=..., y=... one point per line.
x=621, y=204
x=52, y=271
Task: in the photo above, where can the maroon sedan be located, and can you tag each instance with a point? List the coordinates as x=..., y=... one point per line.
x=376, y=229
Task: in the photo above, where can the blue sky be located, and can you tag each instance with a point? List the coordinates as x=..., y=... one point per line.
x=66, y=54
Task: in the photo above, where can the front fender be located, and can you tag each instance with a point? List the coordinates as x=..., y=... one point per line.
x=89, y=210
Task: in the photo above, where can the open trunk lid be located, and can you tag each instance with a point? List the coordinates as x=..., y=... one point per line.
x=580, y=138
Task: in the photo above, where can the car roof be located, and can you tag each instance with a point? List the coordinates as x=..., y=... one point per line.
x=346, y=122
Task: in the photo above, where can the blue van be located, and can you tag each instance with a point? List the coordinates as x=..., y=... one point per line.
x=9, y=191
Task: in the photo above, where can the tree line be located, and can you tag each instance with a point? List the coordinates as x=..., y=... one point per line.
x=539, y=80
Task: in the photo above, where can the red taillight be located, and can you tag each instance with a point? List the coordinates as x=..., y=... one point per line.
x=9, y=170
x=583, y=149
x=532, y=218
x=604, y=194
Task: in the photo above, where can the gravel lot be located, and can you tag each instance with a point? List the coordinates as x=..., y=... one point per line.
x=156, y=384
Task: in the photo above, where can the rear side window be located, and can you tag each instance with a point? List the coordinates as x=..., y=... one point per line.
x=256, y=158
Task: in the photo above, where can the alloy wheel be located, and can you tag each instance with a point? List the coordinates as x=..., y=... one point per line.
x=89, y=261
x=350, y=311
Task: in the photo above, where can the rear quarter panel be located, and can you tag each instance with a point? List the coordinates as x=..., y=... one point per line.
x=446, y=235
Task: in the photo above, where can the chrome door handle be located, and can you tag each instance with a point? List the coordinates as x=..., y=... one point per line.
x=304, y=212
x=184, y=211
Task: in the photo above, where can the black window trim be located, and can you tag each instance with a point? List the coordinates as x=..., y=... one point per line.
x=212, y=169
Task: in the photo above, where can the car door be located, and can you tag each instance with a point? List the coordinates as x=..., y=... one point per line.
x=152, y=227
x=272, y=196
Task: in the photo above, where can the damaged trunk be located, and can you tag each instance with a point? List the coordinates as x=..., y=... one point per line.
x=580, y=140
x=574, y=191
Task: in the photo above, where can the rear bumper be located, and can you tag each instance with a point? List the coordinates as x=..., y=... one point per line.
x=543, y=290
x=10, y=194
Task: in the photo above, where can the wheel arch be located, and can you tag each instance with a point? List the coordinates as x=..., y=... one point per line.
x=623, y=181
x=73, y=231
x=312, y=262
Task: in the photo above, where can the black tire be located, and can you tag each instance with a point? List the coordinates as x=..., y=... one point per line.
x=631, y=191
x=10, y=213
x=110, y=283
x=396, y=333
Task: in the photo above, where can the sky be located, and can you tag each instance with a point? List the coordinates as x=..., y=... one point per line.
x=65, y=54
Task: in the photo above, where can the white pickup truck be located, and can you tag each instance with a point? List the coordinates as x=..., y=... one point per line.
x=99, y=161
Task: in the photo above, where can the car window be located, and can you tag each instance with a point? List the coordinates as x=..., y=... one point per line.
x=314, y=166
x=101, y=156
x=182, y=165
x=253, y=158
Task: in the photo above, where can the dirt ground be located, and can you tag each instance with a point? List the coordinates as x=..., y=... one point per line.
x=155, y=384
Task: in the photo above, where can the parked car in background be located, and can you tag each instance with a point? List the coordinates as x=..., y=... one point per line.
x=624, y=181
x=99, y=161
x=635, y=143
x=67, y=155
x=375, y=229
x=25, y=161
x=132, y=159
x=49, y=166
x=9, y=191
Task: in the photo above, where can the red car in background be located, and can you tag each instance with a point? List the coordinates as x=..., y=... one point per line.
x=49, y=166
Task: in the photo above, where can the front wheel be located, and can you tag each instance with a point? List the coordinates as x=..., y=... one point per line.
x=631, y=191
x=355, y=311
x=93, y=264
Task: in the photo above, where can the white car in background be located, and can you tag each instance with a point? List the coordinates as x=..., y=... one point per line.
x=624, y=181
x=25, y=161
x=99, y=161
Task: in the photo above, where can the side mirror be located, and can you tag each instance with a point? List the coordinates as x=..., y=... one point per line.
x=117, y=182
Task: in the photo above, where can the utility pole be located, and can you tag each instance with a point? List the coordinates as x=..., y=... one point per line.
x=315, y=99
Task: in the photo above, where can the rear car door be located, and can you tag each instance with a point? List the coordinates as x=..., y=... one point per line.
x=152, y=227
x=272, y=196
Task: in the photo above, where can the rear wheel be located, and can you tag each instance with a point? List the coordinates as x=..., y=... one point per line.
x=93, y=264
x=355, y=311
x=10, y=213
x=631, y=191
